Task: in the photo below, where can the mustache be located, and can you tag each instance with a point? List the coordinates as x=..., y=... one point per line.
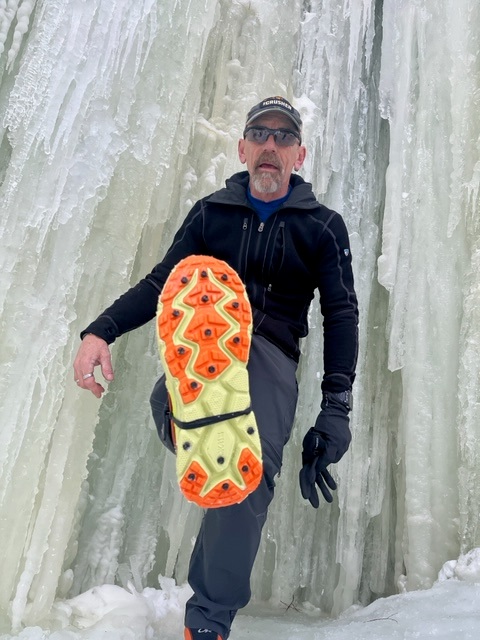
x=268, y=158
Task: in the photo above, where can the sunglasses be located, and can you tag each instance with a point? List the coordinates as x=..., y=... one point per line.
x=282, y=137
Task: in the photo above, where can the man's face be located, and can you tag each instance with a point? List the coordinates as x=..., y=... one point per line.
x=268, y=164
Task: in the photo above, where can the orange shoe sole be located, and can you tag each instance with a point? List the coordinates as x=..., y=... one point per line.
x=204, y=325
x=188, y=634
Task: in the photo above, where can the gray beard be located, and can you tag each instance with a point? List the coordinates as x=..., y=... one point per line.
x=265, y=183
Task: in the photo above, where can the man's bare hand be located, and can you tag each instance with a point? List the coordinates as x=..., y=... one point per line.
x=92, y=352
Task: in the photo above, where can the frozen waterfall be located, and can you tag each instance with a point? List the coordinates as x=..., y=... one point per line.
x=117, y=115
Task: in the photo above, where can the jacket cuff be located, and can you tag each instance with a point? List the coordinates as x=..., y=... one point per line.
x=338, y=382
x=104, y=327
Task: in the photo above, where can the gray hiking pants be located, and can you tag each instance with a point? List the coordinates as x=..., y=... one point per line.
x=226, y=546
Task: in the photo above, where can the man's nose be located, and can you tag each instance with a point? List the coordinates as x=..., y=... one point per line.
x=270, y=143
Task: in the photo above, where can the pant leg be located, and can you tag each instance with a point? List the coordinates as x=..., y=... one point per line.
x=229, y=537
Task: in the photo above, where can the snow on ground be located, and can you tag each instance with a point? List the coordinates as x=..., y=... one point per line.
x=450, y=610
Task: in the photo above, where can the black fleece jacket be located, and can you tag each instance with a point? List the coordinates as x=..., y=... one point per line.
x=301, y=247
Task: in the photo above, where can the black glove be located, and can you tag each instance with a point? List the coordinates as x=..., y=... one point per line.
x=324, y=444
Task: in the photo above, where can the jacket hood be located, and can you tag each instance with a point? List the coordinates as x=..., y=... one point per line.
x=235, y=192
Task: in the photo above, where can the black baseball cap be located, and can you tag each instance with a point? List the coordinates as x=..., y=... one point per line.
x=276, y=103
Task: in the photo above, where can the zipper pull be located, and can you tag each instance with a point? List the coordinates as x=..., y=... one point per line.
x=269, y=288
x=245, y=224
x=260, y=228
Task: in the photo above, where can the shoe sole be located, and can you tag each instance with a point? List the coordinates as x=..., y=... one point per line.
x=188, y=634
x=204, y=325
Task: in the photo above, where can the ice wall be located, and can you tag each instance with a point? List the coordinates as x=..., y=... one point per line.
x=117, y=116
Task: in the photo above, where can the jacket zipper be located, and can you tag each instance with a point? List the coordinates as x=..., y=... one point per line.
x=243, y=250
x=257, y=247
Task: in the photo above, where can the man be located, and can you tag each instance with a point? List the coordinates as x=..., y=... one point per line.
x=268, y=228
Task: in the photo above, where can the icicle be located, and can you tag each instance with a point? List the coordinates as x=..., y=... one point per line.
x=21, y=28
x=9, y=10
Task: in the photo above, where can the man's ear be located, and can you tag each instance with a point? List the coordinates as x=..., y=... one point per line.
x=241, y=151
x=302, y=152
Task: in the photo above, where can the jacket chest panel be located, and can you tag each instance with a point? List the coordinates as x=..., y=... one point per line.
x=284, y=245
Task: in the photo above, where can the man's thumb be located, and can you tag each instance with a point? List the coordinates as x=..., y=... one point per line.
x=107, y=369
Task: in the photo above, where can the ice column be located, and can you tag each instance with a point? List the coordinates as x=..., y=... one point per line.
x=429, y=265
x=94, y=122
x=322, y=556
